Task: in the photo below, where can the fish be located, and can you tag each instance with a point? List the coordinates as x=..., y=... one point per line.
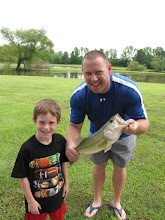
x=102, y=139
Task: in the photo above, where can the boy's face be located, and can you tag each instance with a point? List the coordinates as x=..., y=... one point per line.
x=46, y=126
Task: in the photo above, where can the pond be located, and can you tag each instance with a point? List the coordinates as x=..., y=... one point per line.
x=144, y=77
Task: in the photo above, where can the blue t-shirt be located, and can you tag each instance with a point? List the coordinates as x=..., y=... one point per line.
x=123, y=97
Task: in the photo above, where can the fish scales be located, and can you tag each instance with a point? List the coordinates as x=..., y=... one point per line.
x=103, y=139
x=90, y=143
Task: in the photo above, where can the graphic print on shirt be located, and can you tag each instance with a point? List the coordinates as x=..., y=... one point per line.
x=48, y=181
x=47, y=173
x=43, y=193
x=45, y=162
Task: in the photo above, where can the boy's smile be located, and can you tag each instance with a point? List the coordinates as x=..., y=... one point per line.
x=46, y=125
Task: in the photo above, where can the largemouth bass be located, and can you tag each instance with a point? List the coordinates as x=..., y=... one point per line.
x=103, y=139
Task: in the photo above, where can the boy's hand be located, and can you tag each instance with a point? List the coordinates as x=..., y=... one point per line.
x=33, y=207
x=65, y=191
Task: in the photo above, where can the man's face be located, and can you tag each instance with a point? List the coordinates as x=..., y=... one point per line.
x=97, y=74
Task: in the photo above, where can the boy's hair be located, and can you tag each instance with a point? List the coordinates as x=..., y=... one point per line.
x=93, y=54
x=45, y=106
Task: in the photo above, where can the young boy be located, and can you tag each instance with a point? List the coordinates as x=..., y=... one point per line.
x=41, y=165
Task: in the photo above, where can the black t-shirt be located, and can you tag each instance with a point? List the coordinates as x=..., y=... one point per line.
x=42, y=165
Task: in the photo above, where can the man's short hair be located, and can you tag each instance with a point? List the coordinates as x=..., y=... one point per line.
x=93, y=54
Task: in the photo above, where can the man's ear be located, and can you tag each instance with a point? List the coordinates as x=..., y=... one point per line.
x=110, y=67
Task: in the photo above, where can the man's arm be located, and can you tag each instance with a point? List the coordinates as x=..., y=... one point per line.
x=72, y=133
x=33, y=205
x=136, y=127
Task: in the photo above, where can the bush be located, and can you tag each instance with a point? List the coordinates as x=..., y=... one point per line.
x=135, y=66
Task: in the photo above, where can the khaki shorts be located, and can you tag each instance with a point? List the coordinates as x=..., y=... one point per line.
x=120, y=153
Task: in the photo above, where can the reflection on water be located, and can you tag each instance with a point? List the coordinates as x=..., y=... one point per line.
x=77, y=75
x=150, y=78
x=143, y=77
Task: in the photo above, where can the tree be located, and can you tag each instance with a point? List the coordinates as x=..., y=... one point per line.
x=102, y=50
x=82, y=51
x=140, y=56
x=5, y=50
x=127, y=55
x=86, y=50
x=158, y=63
x=144, y=56
x=149, y=55
x=74, y=56
x=113, y=54
x=159, y=51
x=65, y=58
x=57, y=58
x=107, y=53
x=28, y=45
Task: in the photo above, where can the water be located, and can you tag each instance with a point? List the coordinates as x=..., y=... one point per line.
x=144, y=77
x=151, y=78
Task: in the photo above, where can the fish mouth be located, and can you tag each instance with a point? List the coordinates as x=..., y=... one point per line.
x=121, y=122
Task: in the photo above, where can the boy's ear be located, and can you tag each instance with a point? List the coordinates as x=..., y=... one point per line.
x=59, y=122
x=33, y=119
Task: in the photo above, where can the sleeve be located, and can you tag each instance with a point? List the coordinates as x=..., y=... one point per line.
x=63, y=155
x=77, y=112
x=134, y=104
x=20, y=169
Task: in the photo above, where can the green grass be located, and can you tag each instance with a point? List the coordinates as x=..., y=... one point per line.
x=143, y=196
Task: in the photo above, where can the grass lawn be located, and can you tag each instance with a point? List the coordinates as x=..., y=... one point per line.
x=143, y=196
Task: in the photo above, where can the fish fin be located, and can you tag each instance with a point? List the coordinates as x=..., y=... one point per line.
x=103, y=145
x=108, y=147
x=79, y=140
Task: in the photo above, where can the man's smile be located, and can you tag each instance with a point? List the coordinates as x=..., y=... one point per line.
x=95, y=84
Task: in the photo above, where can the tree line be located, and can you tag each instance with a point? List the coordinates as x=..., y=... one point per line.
x=32, y=46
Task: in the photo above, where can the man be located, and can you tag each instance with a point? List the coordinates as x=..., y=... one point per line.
x=101, y=96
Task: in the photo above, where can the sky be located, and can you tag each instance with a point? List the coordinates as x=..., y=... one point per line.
x=92, y=24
